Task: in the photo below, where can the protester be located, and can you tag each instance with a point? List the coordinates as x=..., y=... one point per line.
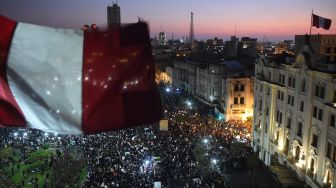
x=138, y=157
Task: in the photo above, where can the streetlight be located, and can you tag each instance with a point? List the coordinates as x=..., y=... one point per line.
x=205, y=141
x=147, y=162
x=15, y=134
x=167, y=89
x=189, y=103
x=46, y=134
x=214, y=161
x=25, y=134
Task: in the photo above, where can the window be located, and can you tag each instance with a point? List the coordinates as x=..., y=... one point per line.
x=334, y=156
x=281, y=79
x=320, y=115
x=236, y=87
x=239, y=87
x=235, y=100
x=328, y=50
x=260, y=105
x=317, y=88
x=319, y=91
x=299, y=131
x=280, y=95
x=242, y=100
x=301, y=106
x=269, y=75
x=303, y=86
x=315, y=112
x=334, y=97
x=289, y=122
x=332, y=120
x=259, y=123
x=266, y=127
x=314, y=140
x=290, y=100
x=322, y=92
x=268, y=91
x=279, y=117
x=242, y=87
x=291, y=81
x=266, y=111
x=329, y=148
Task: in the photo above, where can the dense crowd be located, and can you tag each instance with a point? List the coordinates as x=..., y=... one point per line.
x=146, y=155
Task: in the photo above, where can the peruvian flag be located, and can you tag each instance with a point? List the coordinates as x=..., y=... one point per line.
x=321, y=22
x=76, y=82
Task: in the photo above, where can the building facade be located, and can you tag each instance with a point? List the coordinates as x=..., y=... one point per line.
x=294, y=117
x=208, y=82
x=321, y=44
x=237, y=98
x=184, y=76
x=113, y=16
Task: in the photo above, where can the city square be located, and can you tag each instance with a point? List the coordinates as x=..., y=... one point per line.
x=168, y=94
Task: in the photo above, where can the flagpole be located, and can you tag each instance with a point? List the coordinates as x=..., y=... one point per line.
x=311, y=22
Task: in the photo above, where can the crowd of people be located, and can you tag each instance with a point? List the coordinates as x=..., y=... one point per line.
x=146, y=156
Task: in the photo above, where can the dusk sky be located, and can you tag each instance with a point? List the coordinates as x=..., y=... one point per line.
x=279, y=20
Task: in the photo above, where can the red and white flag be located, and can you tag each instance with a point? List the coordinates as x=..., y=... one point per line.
x=321, y=22
x=74, y=82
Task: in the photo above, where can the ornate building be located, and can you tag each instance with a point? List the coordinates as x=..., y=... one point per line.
x=295, y=116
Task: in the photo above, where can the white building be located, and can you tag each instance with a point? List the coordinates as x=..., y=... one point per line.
x=208, y=82
x=295, y=116
x=201, y=80
x=184, y=76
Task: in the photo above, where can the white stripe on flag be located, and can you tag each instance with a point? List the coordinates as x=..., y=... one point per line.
x=44, y=71
x=321, y=22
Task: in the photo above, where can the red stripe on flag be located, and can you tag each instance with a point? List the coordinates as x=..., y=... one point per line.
x=118, y=80
x=10, y=112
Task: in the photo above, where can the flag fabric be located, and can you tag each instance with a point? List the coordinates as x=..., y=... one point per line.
x=76, y=82
x=321, y=22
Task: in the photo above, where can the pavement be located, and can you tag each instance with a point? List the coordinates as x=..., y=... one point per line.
x=242, y=178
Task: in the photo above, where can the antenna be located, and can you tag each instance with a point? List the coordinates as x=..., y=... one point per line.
x=191, y=32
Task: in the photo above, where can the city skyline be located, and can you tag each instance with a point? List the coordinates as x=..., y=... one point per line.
x=277, y=20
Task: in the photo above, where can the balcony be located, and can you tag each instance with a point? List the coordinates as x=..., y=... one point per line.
x=238, y=106
x=274, y=141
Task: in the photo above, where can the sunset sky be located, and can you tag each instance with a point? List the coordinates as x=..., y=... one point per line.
x=278, y=19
